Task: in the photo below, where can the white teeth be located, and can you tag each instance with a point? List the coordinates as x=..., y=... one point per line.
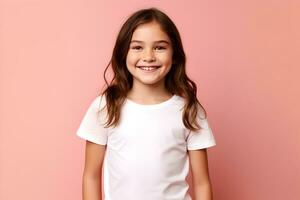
x=148, y=68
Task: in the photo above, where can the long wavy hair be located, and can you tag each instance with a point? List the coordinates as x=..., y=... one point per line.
x=176, y=81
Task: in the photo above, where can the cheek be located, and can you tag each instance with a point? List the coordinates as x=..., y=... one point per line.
x=167, y=59
x=131, y=56
x=131, y=59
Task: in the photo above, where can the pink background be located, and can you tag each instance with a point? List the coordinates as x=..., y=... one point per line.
x=243, y=55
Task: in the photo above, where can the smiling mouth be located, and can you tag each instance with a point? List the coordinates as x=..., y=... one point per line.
x=151, y=66
x=148, y=68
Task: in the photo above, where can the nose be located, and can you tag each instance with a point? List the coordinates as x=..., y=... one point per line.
x=148, y=56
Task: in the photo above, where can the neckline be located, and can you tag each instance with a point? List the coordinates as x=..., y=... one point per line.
x=166, y=102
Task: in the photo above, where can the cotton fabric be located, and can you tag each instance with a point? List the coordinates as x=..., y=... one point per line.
x=146, y=156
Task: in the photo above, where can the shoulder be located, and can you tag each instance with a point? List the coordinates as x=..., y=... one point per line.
x=98, y=102
x=200, y=110
x=179, y=100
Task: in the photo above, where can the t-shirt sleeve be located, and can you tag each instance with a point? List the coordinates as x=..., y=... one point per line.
x=91, y=126
x=203, y=138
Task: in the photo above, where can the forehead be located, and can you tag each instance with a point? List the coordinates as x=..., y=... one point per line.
x=149, y=32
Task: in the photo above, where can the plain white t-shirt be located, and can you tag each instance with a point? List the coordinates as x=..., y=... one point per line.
x=146, y=156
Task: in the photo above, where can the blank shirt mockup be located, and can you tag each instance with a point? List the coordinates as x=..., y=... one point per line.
x=146, y=156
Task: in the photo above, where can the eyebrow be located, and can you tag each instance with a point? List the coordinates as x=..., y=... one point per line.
x=159, y=41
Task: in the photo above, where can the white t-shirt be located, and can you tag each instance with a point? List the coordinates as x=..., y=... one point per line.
x=146, y=156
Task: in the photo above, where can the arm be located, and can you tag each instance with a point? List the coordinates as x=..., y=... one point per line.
x=92, y=175
x=201, y=181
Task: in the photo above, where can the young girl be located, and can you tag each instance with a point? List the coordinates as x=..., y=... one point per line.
x=146, y=121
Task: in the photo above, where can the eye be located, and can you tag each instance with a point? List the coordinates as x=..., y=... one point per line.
x=160, y=47
x=136, y=47
x=139, y=47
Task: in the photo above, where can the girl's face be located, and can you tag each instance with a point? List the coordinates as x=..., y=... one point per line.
x=150, y=47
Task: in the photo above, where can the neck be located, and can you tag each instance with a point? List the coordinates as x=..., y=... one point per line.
x=150, y=93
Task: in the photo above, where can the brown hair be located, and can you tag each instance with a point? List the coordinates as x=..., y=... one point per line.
x=176, y=81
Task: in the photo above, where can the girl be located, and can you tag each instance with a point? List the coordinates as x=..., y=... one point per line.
x=148, y=122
